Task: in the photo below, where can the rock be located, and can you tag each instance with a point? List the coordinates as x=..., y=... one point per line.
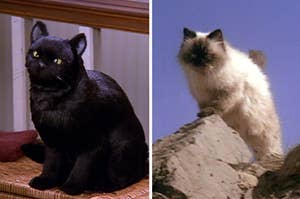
x=207, y=159
x=201, y=160
x=282, y=183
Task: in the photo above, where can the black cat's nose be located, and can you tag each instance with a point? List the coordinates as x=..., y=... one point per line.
x=41, y=64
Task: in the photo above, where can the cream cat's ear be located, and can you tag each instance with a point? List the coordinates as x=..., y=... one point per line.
x=217, y=36
x=79, y=43
x=39, y=30
x=188, y=34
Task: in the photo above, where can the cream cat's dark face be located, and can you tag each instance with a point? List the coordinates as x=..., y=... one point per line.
x=201, y=50
x=51, y=61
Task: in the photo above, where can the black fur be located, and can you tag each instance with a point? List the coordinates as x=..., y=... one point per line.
x=35, y=151
x=93, y=139
x=39, y=30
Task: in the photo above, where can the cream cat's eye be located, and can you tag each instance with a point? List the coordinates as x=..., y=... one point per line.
x=35, y=54
x=57, y=61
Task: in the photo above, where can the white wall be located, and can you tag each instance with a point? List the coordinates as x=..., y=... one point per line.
x=6, y=77
x=122, y=55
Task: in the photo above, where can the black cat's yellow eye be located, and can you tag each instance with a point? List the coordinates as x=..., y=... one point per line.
x=57, y=61
x=35, y=54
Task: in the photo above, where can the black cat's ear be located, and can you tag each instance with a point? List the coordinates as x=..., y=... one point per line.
x=39, y=30
x=188, y=34
x=216, y=35
x=79, y=43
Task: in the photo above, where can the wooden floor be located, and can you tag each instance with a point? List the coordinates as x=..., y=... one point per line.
x=14, y=178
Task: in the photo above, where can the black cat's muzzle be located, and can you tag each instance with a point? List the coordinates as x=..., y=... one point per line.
x=41, y=64
x=44, y=78
x=39, y=73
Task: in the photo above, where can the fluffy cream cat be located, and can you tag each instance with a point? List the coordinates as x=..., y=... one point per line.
x=227, y=82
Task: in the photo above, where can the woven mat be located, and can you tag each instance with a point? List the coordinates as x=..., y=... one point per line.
x=14, y=178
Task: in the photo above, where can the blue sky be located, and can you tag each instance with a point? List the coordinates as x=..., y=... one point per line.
x=270, y=26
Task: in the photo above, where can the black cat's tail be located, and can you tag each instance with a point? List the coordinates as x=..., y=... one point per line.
x=146, y=165
x=34, y=151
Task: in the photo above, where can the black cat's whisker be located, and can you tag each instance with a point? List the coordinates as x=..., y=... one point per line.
x=22, y=71
x=18, y=75
x=63, y=81
x=19, y=72
x=59, y=78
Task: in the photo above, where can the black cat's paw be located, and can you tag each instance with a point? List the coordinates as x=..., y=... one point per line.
x=42, y=183
x=34, y=151
x=71, y=189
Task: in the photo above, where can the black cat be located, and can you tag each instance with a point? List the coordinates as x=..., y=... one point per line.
x=93, y=139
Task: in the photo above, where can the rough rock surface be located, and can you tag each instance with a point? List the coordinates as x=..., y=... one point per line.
x=207, y=159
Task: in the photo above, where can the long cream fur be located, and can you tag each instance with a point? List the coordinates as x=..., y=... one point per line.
x=247, y=106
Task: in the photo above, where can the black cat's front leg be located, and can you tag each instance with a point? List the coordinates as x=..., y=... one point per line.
x=55, y=169
x=78, y=178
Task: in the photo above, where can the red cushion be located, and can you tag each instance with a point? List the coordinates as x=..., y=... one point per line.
x=11, y=142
